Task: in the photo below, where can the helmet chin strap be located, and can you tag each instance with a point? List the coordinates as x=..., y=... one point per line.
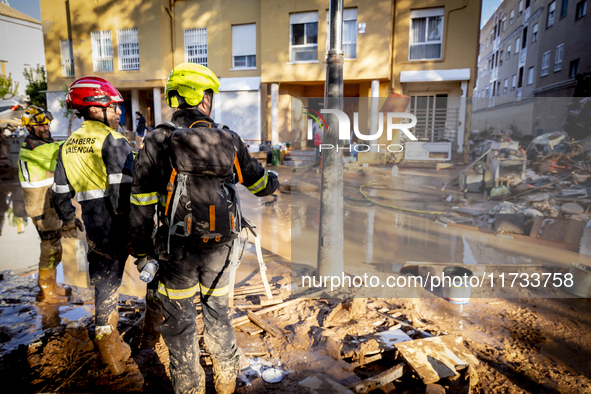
x=105, y=121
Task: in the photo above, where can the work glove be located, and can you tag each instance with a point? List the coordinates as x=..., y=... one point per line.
x=273, y=172
x=141, y=262
x=69, y=228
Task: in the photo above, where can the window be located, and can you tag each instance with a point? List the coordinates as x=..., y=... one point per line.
x=244, y=46
x=128, y=49
x=350, y=33
x=508, y=51
x=487, y=42
x=517, y=44
x=524, y=38
x=504, y=24
x=581, y=9
x=530, y=75
x=558, y=57
x=511, y=16
x=574, y=68
x=505, y=85
x=534, y=33
x=513, y=81
x=551, y=12
x=102, y=51
x=67, y=58
x=545, y=64
x=426, y=32
x=520, y=8
x=196, y=46
x=563, y=8
x=304, y=36
x=500, y=58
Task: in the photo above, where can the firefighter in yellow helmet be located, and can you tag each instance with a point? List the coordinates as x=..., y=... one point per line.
x=186, y=171
x=36, y=166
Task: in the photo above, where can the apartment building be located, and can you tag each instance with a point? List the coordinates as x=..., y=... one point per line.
x=529, y=54
x=270, y=54
x=17, y=28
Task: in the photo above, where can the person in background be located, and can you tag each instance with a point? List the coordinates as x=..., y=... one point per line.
x=122, y=119
x=36, y=165
x=140, y=124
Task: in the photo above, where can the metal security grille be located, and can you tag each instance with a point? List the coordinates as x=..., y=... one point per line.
x=196, y=46
x=67, y=58
x=435, y=121
x=102, y=51
x=128, y=49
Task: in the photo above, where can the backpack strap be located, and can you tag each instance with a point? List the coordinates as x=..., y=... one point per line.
x=169, y=189
x=181, y=189
x=200, y=121
x=169, y=125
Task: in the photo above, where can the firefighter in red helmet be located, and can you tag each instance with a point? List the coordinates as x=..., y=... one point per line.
x=95, y=165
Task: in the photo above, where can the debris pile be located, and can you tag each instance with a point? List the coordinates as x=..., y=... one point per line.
x=351, y=346
x=542, y=188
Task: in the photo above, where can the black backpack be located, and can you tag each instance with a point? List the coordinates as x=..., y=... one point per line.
x=202, y=204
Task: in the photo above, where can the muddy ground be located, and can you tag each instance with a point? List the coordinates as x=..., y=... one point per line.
x=524, y=346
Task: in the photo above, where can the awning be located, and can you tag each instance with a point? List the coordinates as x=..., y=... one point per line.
x=461, y=74
x=238, y=84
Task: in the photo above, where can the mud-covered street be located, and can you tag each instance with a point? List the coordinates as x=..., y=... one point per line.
x=329, y=342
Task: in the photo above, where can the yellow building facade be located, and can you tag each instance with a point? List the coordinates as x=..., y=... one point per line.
x=267, y=53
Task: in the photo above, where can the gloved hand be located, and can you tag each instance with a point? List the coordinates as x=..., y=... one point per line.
x=69, y=228
x=141, y=262
x=273, y=172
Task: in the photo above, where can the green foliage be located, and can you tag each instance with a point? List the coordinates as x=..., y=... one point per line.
x=7, y=85
x=37, y=85
x=67, y=112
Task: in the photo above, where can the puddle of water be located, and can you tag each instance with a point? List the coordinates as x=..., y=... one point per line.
x=24, y=321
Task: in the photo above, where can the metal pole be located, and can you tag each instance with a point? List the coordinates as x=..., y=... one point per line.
x=330, y=236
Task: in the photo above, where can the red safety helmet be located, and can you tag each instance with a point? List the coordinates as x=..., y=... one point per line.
x=91, y=91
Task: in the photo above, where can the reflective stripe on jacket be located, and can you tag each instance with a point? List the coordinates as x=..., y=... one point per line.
x=36, y=164
x=95, y=164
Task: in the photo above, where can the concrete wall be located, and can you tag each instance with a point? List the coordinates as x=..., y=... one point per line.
x=460, y=41
x=14, y=33
x=373, y=48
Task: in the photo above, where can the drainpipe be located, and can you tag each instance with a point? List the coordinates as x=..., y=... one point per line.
x=170, y=11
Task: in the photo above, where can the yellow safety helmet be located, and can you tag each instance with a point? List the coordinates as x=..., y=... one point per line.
x=35, y=116
x=187, y=84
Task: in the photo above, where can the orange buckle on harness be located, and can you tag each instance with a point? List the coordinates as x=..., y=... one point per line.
x=169, y=189
x=206, y=239
x=188, y=225
x=218, y=238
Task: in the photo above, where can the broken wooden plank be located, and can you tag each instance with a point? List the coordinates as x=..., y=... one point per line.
x=271, y=301
x=381, y=379
x=431, y=359
x=366, y=360
x=251, y=329
x=332, y=314
x=262, y=324
x=244, y=319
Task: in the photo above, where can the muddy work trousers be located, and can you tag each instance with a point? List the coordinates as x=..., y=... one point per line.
x=49, y=227
x=105, y=275
x=206, y=272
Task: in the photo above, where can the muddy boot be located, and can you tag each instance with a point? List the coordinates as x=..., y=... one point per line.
x=112, y=350
x=50, y=291
x=152, y=321
x=225, y=374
